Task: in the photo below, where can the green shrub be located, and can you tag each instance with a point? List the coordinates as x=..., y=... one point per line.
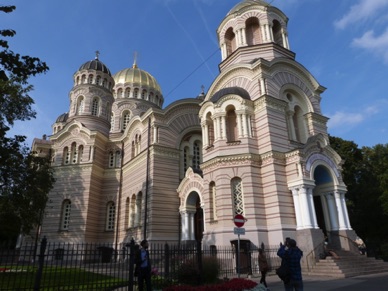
x=188, y=271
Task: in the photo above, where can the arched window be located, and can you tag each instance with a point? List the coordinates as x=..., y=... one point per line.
x=253, y=33
x=277, y=33
x=138, y=144
x=139, y=199
x=95, y=106
x=151, y=98
x=110, y=216
x=238, y=201
x=120, y=93
x=83, y=79
x=126, y=118
x=118, y=159
x=74, y=153
x=112, y=121
x=80, y=105
x=213, y=201
x=135, y=93
x=66, y=156
x=196, y=155
x=299, y=124
x=98, y=80
x=104, y=82
x=143, y=94
x=230, y=41
x=77, y=81
x=111, y=160
x=90, y=79
x=80, y=153
x=133, y=149
x=127, y=92
x=133, y=210
x=231, y=124
x=210, y=129
x=65, y=214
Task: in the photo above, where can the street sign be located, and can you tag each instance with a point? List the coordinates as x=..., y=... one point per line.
x=239, y=220
x=239, y=230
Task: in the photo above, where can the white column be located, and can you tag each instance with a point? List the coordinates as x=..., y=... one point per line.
x=269, y=30
x=244, y=36
x=341, y=216
x=262, y=85
x=284, y=38
x=326, y=214
x=223, y=51
x=205, y=134
x=332, y=211
x=312, y=208
x=298, y=214
x=185, y=225
x=345, y=211
x=216, y=123
x=249, y=126
x=263, y=34
x=223, y=127
x=291, y=123
x=191, y=228
x=305, y=207
x=240, y=129
x=244, y=125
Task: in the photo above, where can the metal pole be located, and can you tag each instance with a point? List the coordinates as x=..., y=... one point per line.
x=119, y=199
x=238, y=256
x=147, y=180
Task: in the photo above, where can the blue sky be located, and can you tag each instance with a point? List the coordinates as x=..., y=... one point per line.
x=344, y=44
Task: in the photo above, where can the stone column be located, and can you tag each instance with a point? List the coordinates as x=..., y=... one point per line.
x=347, y=221
x=304, y=201
x=185, y=225
x=332, y=211
x=312, y=208
x=239, y=126
x=223, y=128
x=291, y=123
x=191, y=227
x=244, y=36
x=262, y=86
x=298, y=214
x=341, y=216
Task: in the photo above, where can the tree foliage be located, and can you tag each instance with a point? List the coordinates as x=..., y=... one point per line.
x=25, y=178
x=365, y=172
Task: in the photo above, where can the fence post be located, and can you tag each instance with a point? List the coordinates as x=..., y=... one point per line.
x=166, y=261
x=39, y=272
x=131, y=263
x=199, y=261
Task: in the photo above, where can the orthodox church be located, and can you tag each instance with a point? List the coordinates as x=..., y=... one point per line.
x=256, y=144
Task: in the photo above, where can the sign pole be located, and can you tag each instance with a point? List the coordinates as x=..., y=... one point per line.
x=238, y=256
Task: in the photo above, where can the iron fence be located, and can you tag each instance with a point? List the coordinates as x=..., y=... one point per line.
x=65, y=266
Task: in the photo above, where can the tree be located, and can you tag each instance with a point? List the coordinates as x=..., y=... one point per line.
x=365, y=172
x=25, y=178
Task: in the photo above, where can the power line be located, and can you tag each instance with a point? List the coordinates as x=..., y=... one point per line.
x=196, y=69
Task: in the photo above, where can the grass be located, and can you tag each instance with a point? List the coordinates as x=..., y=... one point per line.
x=56, y=278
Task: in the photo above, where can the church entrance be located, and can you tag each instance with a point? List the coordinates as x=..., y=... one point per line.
x=192, y=218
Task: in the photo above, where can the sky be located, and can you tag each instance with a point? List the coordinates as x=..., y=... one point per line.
x=344, y=44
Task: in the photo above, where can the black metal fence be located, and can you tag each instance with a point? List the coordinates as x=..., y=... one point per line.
x=59, y=266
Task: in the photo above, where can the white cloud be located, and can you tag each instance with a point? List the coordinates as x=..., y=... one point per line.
x=376, y=44
x=345, y=119
x=363, y=10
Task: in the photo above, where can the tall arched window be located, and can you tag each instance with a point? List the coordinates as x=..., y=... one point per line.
x=90, y=79
x=126, y=118
x=98, y=80
x=74, y=153
x=230, y=41
x=238, y=199
x=127, y=92
x=231, y=124
x=139, y=199
x=135, y=93
x=104, y=82
x=210, y=129
x=65, y=214
x=133, y=210
x=83, y=79
x=252, y=29
x=110, y=216
x=143, y=94
x=80, y=105
x=127, y=214
x=277, y=33
x=120, y=93
x=66, y=156
x=196, y=155
x=299, y=124
x=95, y=106
x=80, y=153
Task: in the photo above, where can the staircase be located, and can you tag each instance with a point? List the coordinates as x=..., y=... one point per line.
x=349, y=264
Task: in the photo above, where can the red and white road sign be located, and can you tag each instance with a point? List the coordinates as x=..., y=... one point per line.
x=239, y=220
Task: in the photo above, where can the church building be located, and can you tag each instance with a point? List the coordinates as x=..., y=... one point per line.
x=255, y=144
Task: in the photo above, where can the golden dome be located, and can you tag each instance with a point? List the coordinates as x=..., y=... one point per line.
x=137, y=78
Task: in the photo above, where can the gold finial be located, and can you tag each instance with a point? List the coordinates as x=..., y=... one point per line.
x=134, y=60
x=97, y=55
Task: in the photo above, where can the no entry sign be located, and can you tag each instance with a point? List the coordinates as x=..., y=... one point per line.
x=239, y=220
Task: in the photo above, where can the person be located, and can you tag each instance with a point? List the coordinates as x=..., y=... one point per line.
x=263, y=267
x=291, y=255
x=143, y=265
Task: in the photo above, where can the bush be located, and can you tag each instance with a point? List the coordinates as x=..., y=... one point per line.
x=188, y=271
x=236, y=284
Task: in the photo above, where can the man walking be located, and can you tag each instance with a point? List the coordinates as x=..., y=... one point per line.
x=143, y=264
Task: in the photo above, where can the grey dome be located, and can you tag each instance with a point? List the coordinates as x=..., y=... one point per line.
x=96, y=65
x=62, y=118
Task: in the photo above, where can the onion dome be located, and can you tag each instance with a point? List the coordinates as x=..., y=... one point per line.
x=96, y=65
x=247, y=3
x=62, y=118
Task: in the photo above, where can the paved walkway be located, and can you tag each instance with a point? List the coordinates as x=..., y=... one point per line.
x=377, y=282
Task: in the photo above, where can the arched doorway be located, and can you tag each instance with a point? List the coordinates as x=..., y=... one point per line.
x=192, y=218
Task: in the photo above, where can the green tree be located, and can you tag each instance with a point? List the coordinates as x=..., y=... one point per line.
x=25, y=178
x=365, y=173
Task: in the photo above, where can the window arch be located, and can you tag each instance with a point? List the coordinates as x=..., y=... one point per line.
x=66, y=156
x=238, y=199
x=277, y=32
x=90, y=79
x=127, y=92
x=110, y=216
x=126, y=118
x=253, y=33
x=133, y=210
x=231, y=124
x=139, y=199
x=210, y=129
x=74, y=153
x=80, y=105
x=230, y=41
x=65, y=214
x=95, y=106
x=98, y=80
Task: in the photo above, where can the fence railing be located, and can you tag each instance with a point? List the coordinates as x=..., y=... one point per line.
x=59, y=266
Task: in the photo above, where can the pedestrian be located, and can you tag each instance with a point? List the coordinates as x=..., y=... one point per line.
x=263, y=267
x=291, y=256
x=143, y=265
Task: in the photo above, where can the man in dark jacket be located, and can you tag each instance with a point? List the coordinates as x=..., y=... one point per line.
x=292, y=256
x=143, y=265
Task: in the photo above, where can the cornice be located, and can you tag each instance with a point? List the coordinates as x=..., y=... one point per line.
x=267, y=101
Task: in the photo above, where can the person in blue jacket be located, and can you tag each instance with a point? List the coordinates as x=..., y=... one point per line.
x=292, y=256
